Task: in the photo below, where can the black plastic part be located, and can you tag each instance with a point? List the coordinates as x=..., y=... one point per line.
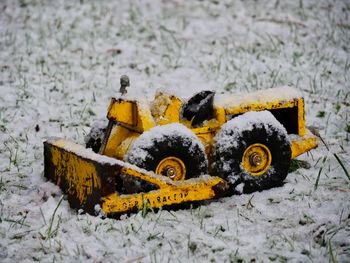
x=288, y=117
x=95, y=138
x=199, y=108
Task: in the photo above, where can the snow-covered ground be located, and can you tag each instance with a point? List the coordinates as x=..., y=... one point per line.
x=60, y=61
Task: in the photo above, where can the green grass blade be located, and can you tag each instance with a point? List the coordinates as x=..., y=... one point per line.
x=49, y=231
x=342, y=166
x=318, y=178
x=330, y=249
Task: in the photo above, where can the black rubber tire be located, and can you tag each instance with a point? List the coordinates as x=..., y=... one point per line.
x=95, y=137
x=245, y=130
x=159, y=143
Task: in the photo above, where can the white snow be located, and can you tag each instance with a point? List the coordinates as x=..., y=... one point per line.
x=61, y=62
x=262, y=96
x=97, y=130
x=83, y=152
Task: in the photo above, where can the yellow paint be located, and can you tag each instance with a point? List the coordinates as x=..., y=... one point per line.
x=186, y=191
x=259, y=106
x=158, y=180
x=119, y=141
x=220, y=114
x=210, y=126
x=123, y=111
x=80, y=175
x=134, y=115
x=166, y=108
x=262, y=161
x=301, y=117
x=172, y=112
x=207, y=140
x=303, y=144
x=145, y=119
x=172, y=167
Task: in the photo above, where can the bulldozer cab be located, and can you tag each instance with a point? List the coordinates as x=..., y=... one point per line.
x=168, y=108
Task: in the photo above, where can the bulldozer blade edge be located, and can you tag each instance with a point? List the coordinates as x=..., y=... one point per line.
x=79, y=174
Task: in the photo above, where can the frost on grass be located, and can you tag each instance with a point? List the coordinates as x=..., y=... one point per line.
x=61, y=62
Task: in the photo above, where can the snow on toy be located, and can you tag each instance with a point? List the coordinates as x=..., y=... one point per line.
x=173, y=151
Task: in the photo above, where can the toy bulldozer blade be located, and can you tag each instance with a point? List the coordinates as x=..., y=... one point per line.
x=93, y=182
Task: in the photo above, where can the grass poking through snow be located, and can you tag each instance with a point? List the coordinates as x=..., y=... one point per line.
x=60, y=64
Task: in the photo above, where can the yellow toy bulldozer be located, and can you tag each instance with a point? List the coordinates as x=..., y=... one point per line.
x=171, y=151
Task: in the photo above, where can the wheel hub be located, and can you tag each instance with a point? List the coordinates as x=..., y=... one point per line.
x=256, y=159
x=172, y=167
x=170, y=172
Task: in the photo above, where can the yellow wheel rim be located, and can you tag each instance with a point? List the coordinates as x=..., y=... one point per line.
x=172, y=167
x=256, y=159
